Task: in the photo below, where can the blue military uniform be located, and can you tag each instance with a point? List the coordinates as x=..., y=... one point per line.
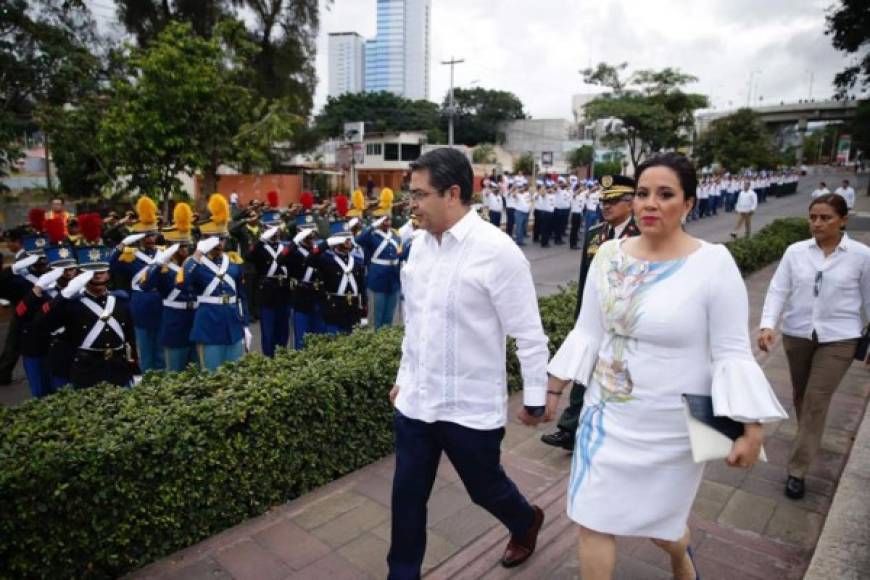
x=176, y=321
x=145, y=304
x=383, y=253
x=273, y=290
x=343, y=284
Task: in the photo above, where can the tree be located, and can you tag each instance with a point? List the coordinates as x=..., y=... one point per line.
x=382, y=112
x=184, y=106
x=45, y=61
x=738, y=141
x=284, y=31
x=849, y=27
x=478, y=112
x=525, y=164
x=483, y=153
x=581, y=157
x=653, y=111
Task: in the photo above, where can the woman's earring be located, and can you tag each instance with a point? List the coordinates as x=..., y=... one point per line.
x=683, y=220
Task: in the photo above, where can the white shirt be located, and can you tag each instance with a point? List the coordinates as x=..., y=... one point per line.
x=592, y=200
x=703, y=192
x=234, y=198
x=820, y=192
x=494, y=202
x=544, y=202
x=843, y=291
x=578, y=202
x=617, y=231
x=563, y=198
x=463, y=297
x=510, y=200
x=747, y=201
x=523, y=202
x=848, y=194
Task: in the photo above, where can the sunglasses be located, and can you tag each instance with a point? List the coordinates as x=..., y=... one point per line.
x=818, y=283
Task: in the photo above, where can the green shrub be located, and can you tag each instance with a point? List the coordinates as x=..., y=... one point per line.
x=102, y=481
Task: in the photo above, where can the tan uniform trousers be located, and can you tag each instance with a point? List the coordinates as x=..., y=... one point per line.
x=816, y=370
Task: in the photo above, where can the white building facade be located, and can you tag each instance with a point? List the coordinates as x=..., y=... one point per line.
x=346, y=63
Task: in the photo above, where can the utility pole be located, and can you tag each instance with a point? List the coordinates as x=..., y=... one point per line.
x=451, y=108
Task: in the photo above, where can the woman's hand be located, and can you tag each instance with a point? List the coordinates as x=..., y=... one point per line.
x=766, y=338
x=747, y=448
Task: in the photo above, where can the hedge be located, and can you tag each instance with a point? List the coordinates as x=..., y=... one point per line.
x=99, y=482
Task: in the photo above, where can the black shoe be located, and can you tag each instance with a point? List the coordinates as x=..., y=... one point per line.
x=795, y=488
x=560, y=438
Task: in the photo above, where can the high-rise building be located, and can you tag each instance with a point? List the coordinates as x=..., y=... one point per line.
x=346, y=63
x=397, y=59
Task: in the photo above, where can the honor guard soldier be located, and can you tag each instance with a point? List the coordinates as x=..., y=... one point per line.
x=343, y=283
x=616, y=197
x=47, y=358
x=96, y=323
x=305, y=284
x=244, y=233
x=131, y=260
x=383, y=252
x=273, y=292
x=179, y=305
x=220, y=325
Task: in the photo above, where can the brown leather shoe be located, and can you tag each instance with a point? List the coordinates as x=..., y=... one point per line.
x=520, y=548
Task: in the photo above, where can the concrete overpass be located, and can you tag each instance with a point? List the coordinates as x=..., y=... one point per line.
x=786, y=114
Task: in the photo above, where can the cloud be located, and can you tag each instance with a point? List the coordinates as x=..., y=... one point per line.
x=535, y=49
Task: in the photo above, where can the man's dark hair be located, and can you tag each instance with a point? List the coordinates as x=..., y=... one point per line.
x=836, y=201
x=447, y=167
x=679, y=164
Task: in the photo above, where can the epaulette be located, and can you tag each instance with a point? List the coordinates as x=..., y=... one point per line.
x=235, y=258
x=128, y=255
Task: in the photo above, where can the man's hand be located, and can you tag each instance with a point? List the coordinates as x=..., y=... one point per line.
x=394, y=392
x=549, y=412
x=766, y=338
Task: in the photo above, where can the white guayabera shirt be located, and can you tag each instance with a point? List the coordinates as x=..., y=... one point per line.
x=462, y=298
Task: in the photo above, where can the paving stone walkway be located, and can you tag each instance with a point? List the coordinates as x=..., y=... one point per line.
x=742, y=525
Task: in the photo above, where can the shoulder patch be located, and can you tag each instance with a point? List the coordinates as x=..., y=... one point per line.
x=128, y=255
x=235, y=258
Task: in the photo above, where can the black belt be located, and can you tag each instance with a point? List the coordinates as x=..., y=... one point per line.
x=103, y=353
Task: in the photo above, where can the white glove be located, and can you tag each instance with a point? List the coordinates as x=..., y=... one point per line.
x=166, y=255
x=269, y=234
x=23, y=264
x=377, y=223
x=132, y=239
x=77, y=284
x=300, y=237
x=249, y=339
x=207, y=245
x=49, y=279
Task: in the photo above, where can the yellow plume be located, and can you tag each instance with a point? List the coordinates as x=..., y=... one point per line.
x=219, y=208
x=182, y=217
x=386, y=198
x=359, y=200
x=146, y=209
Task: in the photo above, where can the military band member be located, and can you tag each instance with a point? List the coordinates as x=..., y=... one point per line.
x=220, y=325
x=273, y=291
x=131, y=260
x=179, y=305
x=343, y=283
x=306, y=303
x=96, y=323
x=383, y=252
x=616, y=198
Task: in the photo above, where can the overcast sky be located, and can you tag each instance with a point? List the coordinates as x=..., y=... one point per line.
x=534, y=48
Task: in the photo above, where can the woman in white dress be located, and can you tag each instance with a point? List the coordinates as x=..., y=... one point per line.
x=663, y=314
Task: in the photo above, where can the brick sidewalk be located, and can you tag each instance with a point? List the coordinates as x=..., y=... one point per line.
x=742, y=524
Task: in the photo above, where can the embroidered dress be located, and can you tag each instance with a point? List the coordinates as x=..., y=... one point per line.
x=647, y=333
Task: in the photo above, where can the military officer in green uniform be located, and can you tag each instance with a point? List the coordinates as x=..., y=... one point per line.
x=616, y=198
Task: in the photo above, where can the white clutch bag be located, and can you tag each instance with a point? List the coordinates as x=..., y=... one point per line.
x=711, y=437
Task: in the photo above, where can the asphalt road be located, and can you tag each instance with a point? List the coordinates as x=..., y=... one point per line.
x=557, y=265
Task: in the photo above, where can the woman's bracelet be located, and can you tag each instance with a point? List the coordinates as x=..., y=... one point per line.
x=557, y=393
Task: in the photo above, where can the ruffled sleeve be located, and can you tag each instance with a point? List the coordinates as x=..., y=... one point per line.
x=577, y=355
x=740, y=390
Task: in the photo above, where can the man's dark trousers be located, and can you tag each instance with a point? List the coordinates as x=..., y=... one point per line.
x=476, y=456
x=571, y=415
x=510, y=221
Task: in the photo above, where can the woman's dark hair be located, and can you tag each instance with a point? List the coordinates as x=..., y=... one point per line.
x=834, y=200
x=447, y=167
x=679, y=164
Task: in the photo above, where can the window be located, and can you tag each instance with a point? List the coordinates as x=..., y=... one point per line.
x=374, y=149
x=410, y=151
x=391, y=151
